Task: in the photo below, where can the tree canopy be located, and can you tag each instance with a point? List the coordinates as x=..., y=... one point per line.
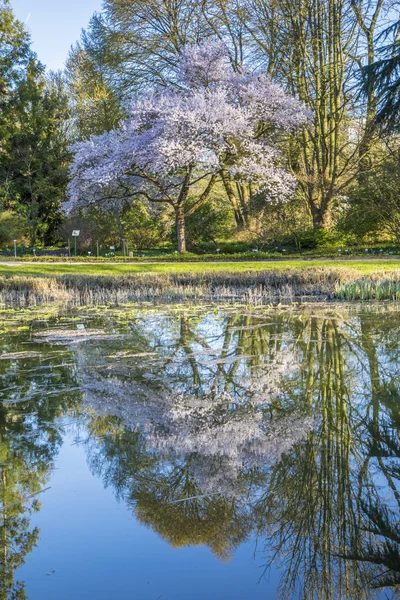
x=214, y=125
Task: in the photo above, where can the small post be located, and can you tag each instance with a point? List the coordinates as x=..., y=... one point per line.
x=69, y=248
x=15, y=248
x=75, y=234
x=98, y=251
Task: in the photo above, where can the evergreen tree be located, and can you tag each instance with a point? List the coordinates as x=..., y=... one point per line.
x=35, y=166
x=15, y=54
x=382, y=78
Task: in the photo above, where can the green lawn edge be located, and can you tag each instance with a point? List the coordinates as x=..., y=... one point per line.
x=363, y=266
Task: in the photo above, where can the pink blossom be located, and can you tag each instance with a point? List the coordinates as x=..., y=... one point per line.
x=217, y=119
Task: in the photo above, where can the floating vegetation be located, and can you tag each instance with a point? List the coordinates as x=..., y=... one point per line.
x=130, y=355
x=19, y=355
x=71, y=336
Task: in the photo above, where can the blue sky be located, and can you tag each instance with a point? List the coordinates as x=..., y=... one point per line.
x=54, y=25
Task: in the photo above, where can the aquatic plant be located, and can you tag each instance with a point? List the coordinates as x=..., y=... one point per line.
x=246, y=287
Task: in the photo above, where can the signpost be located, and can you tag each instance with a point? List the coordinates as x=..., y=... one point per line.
x=75, y=234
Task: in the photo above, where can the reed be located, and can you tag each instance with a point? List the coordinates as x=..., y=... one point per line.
x=382, y=287
x=247, y=287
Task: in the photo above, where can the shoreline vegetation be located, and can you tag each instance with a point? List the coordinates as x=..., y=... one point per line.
x=252, y=288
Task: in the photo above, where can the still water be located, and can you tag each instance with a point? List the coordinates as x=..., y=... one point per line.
x=219, y=454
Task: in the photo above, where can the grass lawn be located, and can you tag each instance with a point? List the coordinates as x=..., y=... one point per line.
x=363, y=266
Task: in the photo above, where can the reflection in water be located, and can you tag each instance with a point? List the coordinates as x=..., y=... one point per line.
x=216, y=428
x=29, y=442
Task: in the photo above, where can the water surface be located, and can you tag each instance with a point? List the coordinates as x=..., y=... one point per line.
x=200, y=453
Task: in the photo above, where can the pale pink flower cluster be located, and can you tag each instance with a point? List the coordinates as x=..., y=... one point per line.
x=214, y=119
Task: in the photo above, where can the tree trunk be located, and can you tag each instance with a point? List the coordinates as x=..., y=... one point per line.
x=230, y=192
x=180, y=229
x=120, y=228
x=32, y=236
x=320, y=207
x=33, y=221
x=321, y=219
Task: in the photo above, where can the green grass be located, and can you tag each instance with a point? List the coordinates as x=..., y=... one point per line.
x=364, y=266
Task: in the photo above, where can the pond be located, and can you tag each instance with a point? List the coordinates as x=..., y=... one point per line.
x=200, y=453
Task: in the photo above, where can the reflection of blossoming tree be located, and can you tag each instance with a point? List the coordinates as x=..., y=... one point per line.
x=316, y=505
x=223, y=431
x=200, y=424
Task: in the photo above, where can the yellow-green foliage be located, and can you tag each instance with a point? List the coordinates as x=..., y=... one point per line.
x=11, y=227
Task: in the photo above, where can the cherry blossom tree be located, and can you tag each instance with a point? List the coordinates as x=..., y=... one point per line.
x=214, y=125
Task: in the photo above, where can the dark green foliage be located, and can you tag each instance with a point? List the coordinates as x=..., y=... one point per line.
x=33, y=137
x=15, y=54
x=373, y=205
x=211, y=222
x=310, y=239
x=383, y=77
x=34, y=166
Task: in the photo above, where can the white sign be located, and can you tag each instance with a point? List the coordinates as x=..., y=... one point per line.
x=112, y=247
x=76, y=233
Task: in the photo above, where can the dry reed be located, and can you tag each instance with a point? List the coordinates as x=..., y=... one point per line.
x=248, y=287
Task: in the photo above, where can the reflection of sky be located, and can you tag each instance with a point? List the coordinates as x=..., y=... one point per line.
x=54, y=25
x=98, y=550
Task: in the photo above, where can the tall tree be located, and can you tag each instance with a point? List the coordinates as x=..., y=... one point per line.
x=315, y=49
x=367, y=18
x=142, y=40
x=307, y=45
x=15, y=54
x=34, y=168
x=96, y=108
